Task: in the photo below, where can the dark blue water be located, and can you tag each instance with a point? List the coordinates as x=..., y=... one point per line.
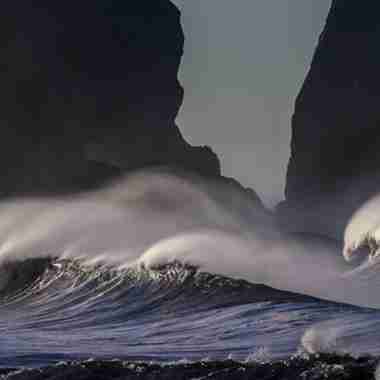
x=168, y=314
x=167, y=268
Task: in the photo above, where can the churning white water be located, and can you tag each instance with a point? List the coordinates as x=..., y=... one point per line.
x=150, y=219
x=167, y=266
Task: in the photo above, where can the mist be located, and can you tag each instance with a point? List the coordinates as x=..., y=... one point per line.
x=244, y=64
x=138, y=222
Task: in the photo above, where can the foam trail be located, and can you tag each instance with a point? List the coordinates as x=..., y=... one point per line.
x=154, y=218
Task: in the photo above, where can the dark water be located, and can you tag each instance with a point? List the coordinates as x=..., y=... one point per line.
x=171, y=269
x=65, y=311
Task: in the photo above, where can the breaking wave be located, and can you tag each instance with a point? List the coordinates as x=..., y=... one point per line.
x=149, y=219
x=161, y=266
x=362, y=234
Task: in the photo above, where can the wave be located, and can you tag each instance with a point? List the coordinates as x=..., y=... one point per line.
x=362, y=234
x=155, y=218
x=350, y=333
x=165, y=313
x=175, y=286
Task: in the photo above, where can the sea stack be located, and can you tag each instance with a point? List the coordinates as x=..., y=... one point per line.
x=335, y=160
x=89, y=90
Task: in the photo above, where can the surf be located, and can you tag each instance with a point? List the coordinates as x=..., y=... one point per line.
x=155, y=218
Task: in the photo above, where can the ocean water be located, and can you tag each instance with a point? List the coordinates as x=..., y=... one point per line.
x=166, y=268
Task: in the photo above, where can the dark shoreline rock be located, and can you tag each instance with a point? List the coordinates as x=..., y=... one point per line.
x=315, y=367
x=334, y=161
x=88, y=92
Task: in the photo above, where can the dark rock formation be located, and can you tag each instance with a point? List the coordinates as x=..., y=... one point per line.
x=316, y=367
x=335, y=160
x=89, y=89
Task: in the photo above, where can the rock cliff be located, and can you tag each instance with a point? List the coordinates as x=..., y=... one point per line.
x=335, y=161
x=88, y=90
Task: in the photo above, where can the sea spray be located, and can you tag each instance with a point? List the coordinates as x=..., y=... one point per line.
x=154, y=218
x=322, y=338
x=160, y=267
x=363, y=231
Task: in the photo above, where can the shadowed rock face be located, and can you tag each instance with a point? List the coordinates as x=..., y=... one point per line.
x=336, y=125
x=89, y=89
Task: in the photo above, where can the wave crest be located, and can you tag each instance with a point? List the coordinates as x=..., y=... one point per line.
x=157, y=218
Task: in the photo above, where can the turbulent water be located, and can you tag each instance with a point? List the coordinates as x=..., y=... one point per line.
x=164, y=267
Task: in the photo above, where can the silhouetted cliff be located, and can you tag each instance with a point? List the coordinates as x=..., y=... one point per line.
x=336, y=124
x=89, y=89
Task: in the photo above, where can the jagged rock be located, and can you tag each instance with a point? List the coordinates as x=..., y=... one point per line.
x=334, y=162
x=317, y=367
x=88, y=90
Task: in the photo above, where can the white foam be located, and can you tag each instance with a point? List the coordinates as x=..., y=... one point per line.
x=154, y=218
x=321, y=339
x=364, y=224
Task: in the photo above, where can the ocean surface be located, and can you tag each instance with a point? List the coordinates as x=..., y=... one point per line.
x=166, y=268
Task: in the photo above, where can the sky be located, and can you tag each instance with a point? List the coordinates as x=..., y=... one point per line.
x=244, y=64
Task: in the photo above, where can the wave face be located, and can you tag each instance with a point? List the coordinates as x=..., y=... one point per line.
x=164, y=267
x=64, y=310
